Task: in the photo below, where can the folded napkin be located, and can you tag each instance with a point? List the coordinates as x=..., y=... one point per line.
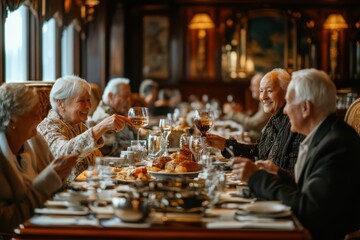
x=62, y=221
x=220, y=212
x=283, y=224
x=116, y=222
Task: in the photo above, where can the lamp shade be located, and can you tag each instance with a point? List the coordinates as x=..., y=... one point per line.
x=335, y=21
x=201, y=21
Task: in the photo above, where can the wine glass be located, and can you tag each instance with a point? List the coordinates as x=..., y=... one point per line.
x=165, y=128
x=139, y=116
x=196, y=146
x=203, y=121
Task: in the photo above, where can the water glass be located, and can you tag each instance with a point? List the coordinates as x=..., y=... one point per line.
x=196, y=146
x=140, y=150
x=129, y=157
x=156, y=144
x=215, y=184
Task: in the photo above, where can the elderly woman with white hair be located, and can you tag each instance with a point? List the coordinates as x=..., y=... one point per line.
x=278, y=147
x=64, y=127
x=29, y=175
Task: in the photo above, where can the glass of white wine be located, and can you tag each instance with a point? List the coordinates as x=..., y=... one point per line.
x=139, y=116
x=165, y=128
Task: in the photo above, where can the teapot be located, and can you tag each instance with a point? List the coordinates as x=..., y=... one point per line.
x=131, y=209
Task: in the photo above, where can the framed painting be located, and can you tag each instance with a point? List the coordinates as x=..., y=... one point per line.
x=156, y=46
x=266, y=42
x=261, y=40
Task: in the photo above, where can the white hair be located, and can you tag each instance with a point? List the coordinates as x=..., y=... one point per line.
x=112, y=87
x=316, y=87
x=67, y=87
x=15, y=100
x=282, y=76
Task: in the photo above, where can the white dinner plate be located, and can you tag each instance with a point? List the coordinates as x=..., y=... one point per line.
x=165, y=175
x=266, y=207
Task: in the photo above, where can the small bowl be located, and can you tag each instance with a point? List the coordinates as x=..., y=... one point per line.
x=130, y=210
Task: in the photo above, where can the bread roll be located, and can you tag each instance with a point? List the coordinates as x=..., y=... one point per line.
x=185, y=151
x=189, y=165
x=161, y=161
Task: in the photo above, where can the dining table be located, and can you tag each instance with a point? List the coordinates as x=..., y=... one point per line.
x=218, y=222
x=209, y=204
x=169, y=230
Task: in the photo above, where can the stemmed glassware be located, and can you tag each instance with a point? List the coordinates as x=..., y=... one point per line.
x=196, y=146
x=165, y=128
x=203, y=121
x=139, y=116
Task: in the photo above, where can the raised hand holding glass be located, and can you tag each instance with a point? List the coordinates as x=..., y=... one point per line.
x=139, y=116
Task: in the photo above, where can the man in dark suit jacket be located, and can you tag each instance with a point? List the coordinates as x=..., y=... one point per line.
x=325, y=194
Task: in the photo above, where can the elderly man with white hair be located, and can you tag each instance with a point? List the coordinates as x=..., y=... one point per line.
x=115, y=99
x=324, y=194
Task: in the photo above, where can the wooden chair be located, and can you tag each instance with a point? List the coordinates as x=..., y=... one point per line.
x=43, y=90
x=352, y=116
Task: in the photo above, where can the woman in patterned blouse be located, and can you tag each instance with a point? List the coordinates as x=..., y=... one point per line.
x=278, y=147
x=64, y=127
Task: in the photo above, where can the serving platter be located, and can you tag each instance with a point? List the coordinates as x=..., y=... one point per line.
x=167, y=175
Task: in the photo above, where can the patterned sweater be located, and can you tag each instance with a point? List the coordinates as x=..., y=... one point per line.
x=277, y=144
x=63, y=139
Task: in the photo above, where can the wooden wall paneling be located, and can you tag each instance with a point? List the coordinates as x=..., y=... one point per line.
x=176, y=38
x=133, y=46
x=97, y=47
x=196, y=68
x=354, y=24
x=35, y=43
x=116, y=39
x=134, y=41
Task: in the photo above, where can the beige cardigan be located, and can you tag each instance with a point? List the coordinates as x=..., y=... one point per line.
x=26, y=186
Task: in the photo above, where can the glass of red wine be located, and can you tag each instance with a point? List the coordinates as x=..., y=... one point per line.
x=203, y=121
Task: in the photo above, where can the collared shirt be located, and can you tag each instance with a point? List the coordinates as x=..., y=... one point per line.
x=303, y=152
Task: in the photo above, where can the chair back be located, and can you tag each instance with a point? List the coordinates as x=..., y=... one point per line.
x=43, y=90
x=352, y=116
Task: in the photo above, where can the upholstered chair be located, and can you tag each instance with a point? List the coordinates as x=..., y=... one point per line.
x=352, y=116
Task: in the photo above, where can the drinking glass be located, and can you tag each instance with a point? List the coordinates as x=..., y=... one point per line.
x=165, y=128
x=196, y=146
x=155, y=144
x=140, y=150
x=139, y=116
x=95, y=175
x=203, y=121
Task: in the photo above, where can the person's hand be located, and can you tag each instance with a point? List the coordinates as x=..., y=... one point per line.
x=64, y=165
x=268, y=165
x=215, y=141
x=114, y=122
x=244, y=168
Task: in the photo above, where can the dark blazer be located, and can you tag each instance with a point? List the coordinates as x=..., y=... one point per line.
x=327, y=197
